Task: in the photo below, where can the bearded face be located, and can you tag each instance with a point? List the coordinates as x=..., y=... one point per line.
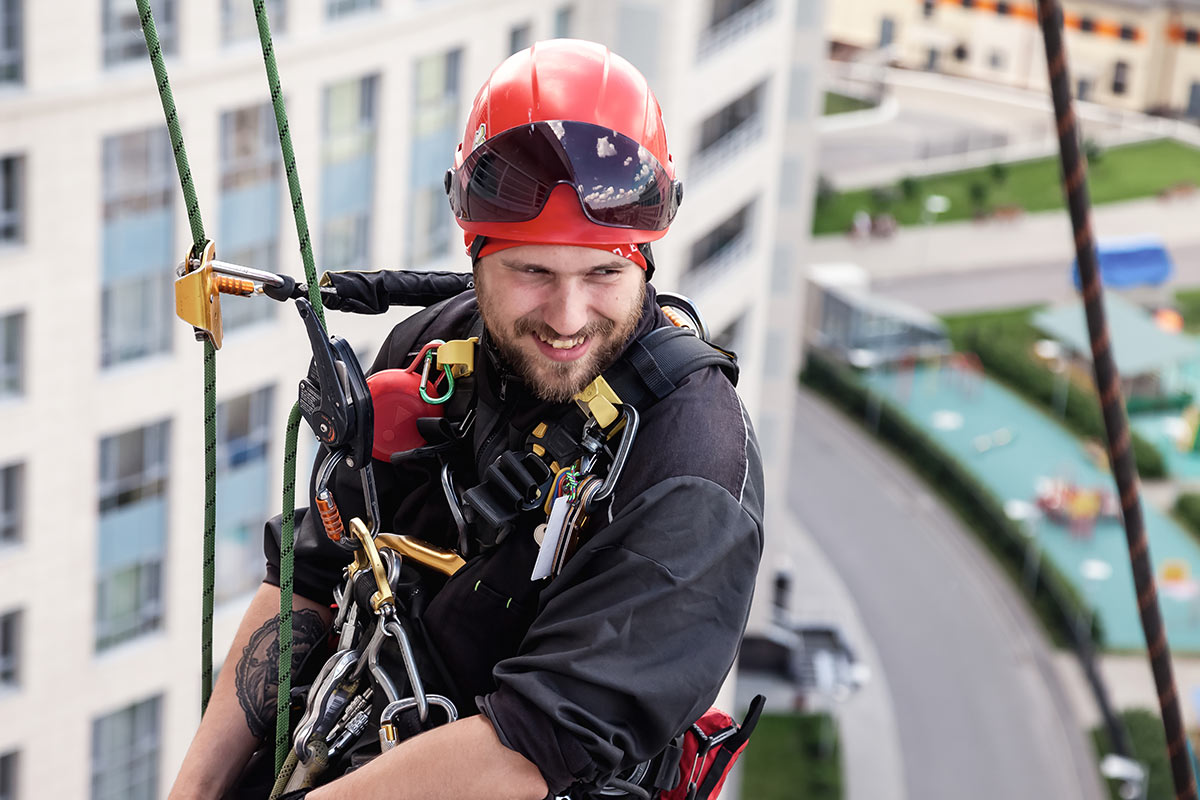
x=559, y=315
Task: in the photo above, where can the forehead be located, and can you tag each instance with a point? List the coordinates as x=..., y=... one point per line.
x=563, y=259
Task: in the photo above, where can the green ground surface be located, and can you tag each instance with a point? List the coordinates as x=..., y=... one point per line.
x=1149, y=745
x=792, y=756
x=1121, y=173
x=840, y=104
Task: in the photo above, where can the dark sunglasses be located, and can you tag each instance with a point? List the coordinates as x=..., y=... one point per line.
x=509, y=177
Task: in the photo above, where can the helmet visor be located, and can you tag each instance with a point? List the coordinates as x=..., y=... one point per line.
x=509, y=177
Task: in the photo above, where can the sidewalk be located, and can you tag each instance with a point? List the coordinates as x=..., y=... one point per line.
x=1041, y=238
x=872, y=765
x=1130, y=685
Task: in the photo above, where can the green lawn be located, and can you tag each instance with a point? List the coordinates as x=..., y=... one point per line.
x=840, y=104
x=1149, y=745
x=1121, y=173
x=1188, y=303
x=791, y=756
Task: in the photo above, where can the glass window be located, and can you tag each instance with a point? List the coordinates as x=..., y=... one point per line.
x=239, y=23
x=741, y=113
x=722, y=237
x=12, y=199
x=724, y=9
x=928, y=7
x=435, y=135
x=12, y=367
x=342, y=8
x=137, y=295
x=563, y=19
x=1129, y=33
x=123, y=37
x=348, y=172
x=1192, y=35
x=1003, y=8
x=10, y=649
x=251, y=195
x=243, y=478
x=8, y=776
x=12, y=66
x=133, y=518
x=12, y=502
x=1087, y=24
x=125, y=748
x=520, y=37
x=1120, y=77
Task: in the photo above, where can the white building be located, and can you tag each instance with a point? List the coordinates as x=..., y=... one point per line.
x=100, y=600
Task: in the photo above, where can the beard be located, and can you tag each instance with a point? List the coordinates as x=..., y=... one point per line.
x=559, y=381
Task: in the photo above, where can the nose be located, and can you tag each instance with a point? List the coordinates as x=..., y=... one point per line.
x=566, y=310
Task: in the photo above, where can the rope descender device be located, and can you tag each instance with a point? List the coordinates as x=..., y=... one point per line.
x=202, y=279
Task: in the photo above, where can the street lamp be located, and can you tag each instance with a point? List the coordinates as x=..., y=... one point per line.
x=1133, y=776
x=934, y=204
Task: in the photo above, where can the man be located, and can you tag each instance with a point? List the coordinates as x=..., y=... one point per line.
x=562, y=180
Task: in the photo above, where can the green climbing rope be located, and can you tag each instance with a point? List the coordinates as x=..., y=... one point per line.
x=286, y=554
x=210, y=354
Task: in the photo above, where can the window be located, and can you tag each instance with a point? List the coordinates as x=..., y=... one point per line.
x=12, y=66
x=887, y=32
x=12, y=199
x=137, y=295
x=348, y=172
x=563, y=18
x=12, y=503
x=125, y=747
x=520, y=37
x=1087, y=24
x=1120, y=77
x=12, y=337
x=239, y=22
x=1003, y=8
x=10, y=649
x=996, y=59
x=123, y=37
x=928, y=7
x=961, y=52
x=435, y=134
x=343, y=8
x=8, y=776
x=968, y=3
x=1129, y=33
x=243, y=479
x=251, y=189
x=722, y=10
x=724, y=243
x=1083, y=89
x=744, y=114
x=133, y=519
x=1192, y=35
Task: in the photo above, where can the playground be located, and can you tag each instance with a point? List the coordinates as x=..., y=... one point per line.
x=1054, y=487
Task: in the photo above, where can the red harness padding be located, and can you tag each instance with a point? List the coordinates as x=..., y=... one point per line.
x=396, y=398
x=710, y=747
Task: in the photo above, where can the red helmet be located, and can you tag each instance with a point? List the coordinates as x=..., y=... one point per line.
x=564, y=145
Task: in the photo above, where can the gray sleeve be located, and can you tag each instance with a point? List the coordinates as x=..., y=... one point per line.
x=636, y=636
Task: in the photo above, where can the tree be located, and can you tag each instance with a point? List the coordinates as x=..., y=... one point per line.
x=999, y=172
x=978, y=192
x=910, y=187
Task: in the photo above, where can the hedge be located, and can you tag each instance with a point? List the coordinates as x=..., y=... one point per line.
x=1055, y=599
x=1187, y=510
x=1003, y=342
x=793, y=755
x=1149, y=745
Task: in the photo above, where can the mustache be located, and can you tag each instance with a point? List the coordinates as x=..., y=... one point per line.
x=598, y=328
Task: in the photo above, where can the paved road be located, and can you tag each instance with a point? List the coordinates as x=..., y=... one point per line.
x=977, y=703
x=1003, y=287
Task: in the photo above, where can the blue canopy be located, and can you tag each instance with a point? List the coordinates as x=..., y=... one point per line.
x=1130, y=261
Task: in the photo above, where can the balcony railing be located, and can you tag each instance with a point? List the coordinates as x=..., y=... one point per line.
x=701, y=277
x=729, y=30
x=722, y=151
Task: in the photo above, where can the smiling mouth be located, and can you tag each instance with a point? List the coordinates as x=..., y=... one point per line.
x=561, y=344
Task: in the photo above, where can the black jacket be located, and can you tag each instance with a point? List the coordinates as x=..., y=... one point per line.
x=602, y=666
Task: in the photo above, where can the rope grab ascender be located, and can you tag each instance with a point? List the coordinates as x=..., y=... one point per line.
x=356, y=419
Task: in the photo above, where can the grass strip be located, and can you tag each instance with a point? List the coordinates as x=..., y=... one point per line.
x=793, y=755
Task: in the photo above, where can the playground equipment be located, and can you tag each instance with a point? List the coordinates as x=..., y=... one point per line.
x=1074, y=507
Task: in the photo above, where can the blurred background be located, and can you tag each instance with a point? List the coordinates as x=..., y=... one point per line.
x=872, y=197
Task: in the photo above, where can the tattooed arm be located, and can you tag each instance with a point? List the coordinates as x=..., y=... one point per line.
x=241, y=712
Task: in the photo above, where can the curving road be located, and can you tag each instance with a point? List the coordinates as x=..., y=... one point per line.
x=975, y=695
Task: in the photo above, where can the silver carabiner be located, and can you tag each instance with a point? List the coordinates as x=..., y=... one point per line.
x=387, y=731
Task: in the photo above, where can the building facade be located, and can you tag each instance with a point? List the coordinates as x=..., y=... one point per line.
x=1139, y=55
x=102, y=385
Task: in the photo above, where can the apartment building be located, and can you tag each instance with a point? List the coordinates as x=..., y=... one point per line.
x=101, y=470
x=1141, y=55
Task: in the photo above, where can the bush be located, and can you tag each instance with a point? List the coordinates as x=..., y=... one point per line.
x=1149, y=745
x=909, y=187
x=793, y=755
x=1187, y=510
x=1056, y=601
x=999, y=172
x=1003, y=342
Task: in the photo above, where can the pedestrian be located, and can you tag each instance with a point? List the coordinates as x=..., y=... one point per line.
x=569, y=676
